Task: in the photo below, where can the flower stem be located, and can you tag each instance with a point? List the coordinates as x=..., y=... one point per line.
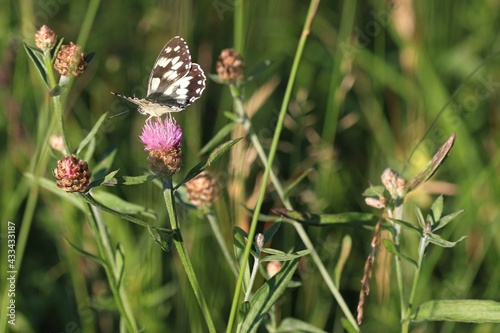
x=168, y=195
x=397, y=213
x=223, y=245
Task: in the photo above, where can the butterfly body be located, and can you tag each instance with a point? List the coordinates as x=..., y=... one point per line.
x=174, y=82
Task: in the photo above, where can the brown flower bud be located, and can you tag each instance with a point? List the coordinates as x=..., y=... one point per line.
x=230, y=66
x=45, y=38
x=70, y=60
x=273, y=268
x=56, y=142
x=203, y=190
x=72, y=174
x=165, y=163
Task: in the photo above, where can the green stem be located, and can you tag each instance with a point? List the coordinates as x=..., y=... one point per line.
x=168, y=195
x=255, y=269
x=113, y=272
x=239, y=16
x=421, y=252
x=253, y=225
x=398, y=214
x=222, y=244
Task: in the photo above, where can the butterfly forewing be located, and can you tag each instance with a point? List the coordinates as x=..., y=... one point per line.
x=174, y=83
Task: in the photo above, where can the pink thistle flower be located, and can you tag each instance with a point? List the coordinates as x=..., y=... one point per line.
x=162, y=138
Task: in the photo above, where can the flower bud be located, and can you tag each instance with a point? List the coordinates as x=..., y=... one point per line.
x=230, y=66
x=45, y=38
x=70, y=60
x=273, y=268
x=203, y=190
x=72, y=174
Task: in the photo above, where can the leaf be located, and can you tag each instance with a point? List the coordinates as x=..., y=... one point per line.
x=216, y=79
x=446, y=219
x=408, y=226
x=232, y=116
x=214, y=155
x=125, y=180
x=120, y=265
x=271, y=231
x=436, y=210
x=420, y=217
x=433, y=164
x=104, y=180
x=85, y=253
x=122, y=206
x=437, y=240
x=276, y=255
x=322, y=220
x=468, y=310
x=164, y=239
x=345, y=250
x=257, y=71
x=374, y=191
x=347, y=325
x=91, y=134
x=36, y=57
x=239, y=236
x=221, y=134
x=51, y=186
x=267, y=296
x=290, y=187
x=391, y=247
x=296, y=325
x=103, y=167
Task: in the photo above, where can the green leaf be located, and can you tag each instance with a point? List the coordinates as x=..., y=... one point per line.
x=239, y=236
x=469, y=311
x=221, y=134
x=347, y=325
x=215, y=78
x=276, y=255
x=214, y=155
x=446, y=219
x=164, y=239
x=125, y=180
x=321, y=220
x=104, y=180
x=271, y=231
x=267, y=296
x=102, y=168
x=437, y=240
x=345, y=250
x=290, y=187
x=85, y=253
x=436, y=210
x=50, y=185
x=374, y=191
x=420, y=217
x=257, y=71
x=36, y=57
x=391, y=247
x=408, y=226
x=433, y=164
x=91, y=134
x=296, y=325
x=120, y=265
x=122, y=206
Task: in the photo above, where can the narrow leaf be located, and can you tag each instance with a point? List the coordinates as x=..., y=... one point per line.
x=337, y=220
x=122, y=206
x=296, y=325
x=91, y=134
x=408, y=226
x=239, y=236
x=290, y=187
x=345, y=250
x=446, y=219
x=50, y=185
x=469, y=311
x=164, y=239
x=391, y=247
x=102, y=168
x=37, y=57
x=267, y=296
x=257, y=71
x=125, y=180
x=217, y=138
x=420, y=217
x=271, y=231
x=436, y=210
x=437, y=240
x=374, y=191
x=120, y=265
x=85, y=253
x=433, y=164
x=214, y=155
x=276, y=255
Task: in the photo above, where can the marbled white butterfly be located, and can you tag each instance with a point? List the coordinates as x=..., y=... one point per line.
x=174, y=83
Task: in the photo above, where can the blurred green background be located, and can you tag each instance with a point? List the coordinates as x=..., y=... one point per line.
x=377, y=80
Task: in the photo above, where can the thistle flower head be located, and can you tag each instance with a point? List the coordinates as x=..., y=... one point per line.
x=203, y=190
x=72, y=174
x=45, y=38
x=162, y=138
x=230, y=66
x=70, y=60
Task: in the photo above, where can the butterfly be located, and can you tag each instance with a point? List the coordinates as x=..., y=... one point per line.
x=174, y=83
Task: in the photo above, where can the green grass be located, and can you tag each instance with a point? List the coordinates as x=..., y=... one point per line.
x=355, y=109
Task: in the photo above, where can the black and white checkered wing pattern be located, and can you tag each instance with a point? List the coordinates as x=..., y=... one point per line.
x=174, y=83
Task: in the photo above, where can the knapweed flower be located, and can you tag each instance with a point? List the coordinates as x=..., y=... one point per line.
x=203, y=190
x=72, y=174
x=162, y=138
x=45, y=38
x=230, y=66
x=70, y=60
